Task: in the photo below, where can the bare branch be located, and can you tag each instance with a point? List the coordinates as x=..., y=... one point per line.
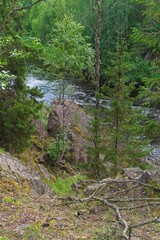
x=25, y=7
x=140, y=206
x=135, y=200
x=118, y=214
x=154, y=220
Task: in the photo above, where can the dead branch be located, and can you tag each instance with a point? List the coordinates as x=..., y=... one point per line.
x=25, y=7
x=137, y=225
x=140, y=206
x=110, y=196
x=135, y=199
x=127, y=229
x=154, y=220
x=118, y=215
x=146, y=185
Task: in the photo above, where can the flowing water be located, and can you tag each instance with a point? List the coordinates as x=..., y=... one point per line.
x=81, y=95
x=53, y=90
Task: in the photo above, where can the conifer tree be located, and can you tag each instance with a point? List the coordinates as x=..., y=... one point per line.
x=18, y=106
x=126, y=139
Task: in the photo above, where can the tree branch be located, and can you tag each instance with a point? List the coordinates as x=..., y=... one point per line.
x=14, y=10
x=118, y=214
x=25, y=7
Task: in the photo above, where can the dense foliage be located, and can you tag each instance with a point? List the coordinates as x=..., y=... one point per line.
x=18, y=106
x=80, y=38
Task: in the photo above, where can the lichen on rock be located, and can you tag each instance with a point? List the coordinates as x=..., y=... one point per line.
x=13, y=169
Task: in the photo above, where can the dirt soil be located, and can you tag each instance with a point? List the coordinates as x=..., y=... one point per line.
x=28, y=216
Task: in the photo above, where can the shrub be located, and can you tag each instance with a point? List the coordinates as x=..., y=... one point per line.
x=63, y=186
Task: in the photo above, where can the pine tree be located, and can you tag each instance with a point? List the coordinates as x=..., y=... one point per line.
x=18, y=106
x=126, y=140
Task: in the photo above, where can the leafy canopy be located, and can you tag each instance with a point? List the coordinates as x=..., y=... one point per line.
x=69, y=53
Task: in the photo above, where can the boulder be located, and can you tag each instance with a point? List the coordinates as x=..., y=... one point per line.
x=40, y=129
x=97, y=186
x=137, y=174
x=11, y=167
x=75, y=121
x=141, y=175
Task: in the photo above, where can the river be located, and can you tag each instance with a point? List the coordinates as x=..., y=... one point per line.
x=52, y=90
x=82, y=96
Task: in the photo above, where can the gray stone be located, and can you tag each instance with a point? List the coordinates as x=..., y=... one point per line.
x=142, y=175
x=13, y=168
x=22, y=227
x=75, y=122
x=97, y=186
x=44, y=171
x=137, y=174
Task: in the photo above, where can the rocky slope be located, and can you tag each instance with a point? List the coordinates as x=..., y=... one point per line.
x=30, y=210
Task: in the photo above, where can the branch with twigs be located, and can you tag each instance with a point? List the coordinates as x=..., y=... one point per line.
x=123, y=204
x=14, y=10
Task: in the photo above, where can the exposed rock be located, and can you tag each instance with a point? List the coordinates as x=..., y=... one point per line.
x=141, y=175
x=137, y=174
x=44, y=171
x=12, y=167
x=75, y=121
x=99, y=185
x=38, y=186
x=155, y=175
x=22, y=227
x=40, y=129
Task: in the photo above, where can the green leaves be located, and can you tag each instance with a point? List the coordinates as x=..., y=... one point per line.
x=18, y=107
x=69, y=54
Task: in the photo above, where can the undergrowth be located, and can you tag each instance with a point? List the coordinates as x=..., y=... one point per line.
x=63, y=185
x=1, y=151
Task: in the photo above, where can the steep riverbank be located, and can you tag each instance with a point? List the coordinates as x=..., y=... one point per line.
x=83, y=96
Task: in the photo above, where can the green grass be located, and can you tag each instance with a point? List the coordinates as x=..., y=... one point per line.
x=145, y=166
x=33, y=232
x=1, y=151
x=8, y=200
x=63, y=186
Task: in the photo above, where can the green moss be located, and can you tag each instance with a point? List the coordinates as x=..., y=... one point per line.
x=2, y=150
x=8, y=185
x=33, y=232
x=8, y=199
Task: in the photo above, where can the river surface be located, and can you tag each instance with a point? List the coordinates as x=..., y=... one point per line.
x=53, y=90
x=82, y=96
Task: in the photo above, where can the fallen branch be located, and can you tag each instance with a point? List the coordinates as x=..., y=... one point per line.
x=154, y=220
x=118, y=215
x=135, y=200
x=140, y=206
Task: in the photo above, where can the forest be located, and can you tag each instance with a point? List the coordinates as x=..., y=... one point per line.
x=111, y=47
